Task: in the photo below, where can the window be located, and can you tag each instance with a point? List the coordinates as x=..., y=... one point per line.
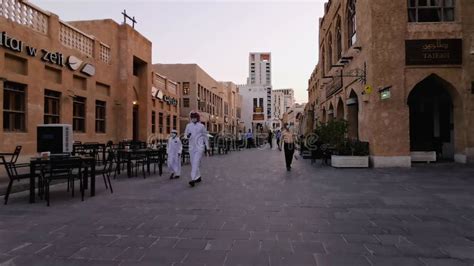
x=430, y=10
x=153, y=121
x=14, y=107
x=329, y=65
x=168, y=124
x=323, y=57
x=255, y=104
x=51, y=107
x=261, y=103
x=79, y=114
x=185, y=88
x=185, y=102
x=175, y=121
x=100, y=116
x=351, y=26
x=160, y=123
x=338, y=39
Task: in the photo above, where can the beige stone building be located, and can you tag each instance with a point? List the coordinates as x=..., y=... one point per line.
x=232, y=108
x=164, y=105
x=401, y=73
x=218, y=102
x=96, y=75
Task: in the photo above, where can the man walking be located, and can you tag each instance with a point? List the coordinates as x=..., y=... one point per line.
x=249, y=138
x=270, y=139
x=198, y=143
x=278, y=137
x=173, y=150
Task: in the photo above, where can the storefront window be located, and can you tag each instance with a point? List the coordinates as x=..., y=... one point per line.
x=14, y=107
x=51, y=107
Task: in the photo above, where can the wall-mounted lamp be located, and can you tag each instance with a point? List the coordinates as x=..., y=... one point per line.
x=134, y=102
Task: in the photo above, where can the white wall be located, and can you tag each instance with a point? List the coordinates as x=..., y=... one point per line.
x=247, y=102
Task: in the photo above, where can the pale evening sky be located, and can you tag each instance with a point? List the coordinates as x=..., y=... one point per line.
x=218, y=35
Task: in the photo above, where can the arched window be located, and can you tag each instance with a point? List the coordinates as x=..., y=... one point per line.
x=338, y=38
x=329, y=66
x=323, y=65
x=351, y=22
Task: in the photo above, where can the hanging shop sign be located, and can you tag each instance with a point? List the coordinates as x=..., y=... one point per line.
x=47, y=56
x=433, y=52
x=334, y=86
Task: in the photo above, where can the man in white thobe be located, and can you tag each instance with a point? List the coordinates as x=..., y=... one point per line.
x=173, y=150
x=198, y=143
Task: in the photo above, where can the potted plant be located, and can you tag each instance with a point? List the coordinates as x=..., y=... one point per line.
x=345, y=152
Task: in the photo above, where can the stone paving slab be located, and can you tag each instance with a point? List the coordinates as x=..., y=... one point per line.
x=250, y=211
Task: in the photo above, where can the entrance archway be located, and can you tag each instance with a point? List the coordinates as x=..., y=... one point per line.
x=353, y=115
x=340, y=110
x=432, y=117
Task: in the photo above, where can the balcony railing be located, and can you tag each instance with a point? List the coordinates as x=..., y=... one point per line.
x=73, y=38
x=25, y=14
x=31, y=16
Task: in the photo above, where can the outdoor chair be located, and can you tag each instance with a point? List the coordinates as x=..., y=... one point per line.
x=139, y=160
x=156, y=157
x=185, y=152
x=64, y=168
x=11, y=168
x=109, y=167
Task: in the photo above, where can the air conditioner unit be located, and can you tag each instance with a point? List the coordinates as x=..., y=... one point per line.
x=55, y=138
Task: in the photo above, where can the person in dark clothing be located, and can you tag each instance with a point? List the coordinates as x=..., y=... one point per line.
x=270, y=139
x=288, y=146
x=278, y=137
x=249, y=138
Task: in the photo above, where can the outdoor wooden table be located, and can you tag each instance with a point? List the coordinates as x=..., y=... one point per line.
x=35, y=162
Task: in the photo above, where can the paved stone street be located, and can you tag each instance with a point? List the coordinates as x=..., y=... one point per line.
x=249, y=211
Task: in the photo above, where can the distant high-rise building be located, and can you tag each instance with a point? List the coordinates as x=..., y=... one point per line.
x=260, y=69
x=257, y=93
x=282, y=101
